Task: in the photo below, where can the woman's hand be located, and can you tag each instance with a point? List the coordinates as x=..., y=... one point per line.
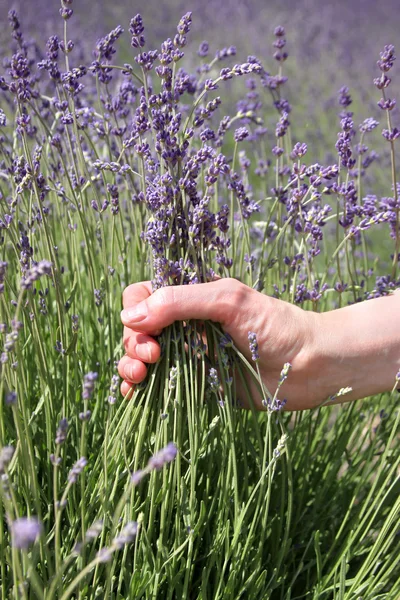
x=357, y=346
x=285, y=333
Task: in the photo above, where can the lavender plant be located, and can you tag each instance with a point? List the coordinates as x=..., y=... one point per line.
x=118, y=173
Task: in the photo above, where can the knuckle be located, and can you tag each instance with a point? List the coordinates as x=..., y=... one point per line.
x=235, y=297
x=165, y=296
x=236, y=290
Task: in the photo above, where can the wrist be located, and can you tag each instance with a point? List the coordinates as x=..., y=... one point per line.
x=359, y=347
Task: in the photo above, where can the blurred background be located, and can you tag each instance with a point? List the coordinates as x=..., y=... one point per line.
x=331, y=44
x=320, y=33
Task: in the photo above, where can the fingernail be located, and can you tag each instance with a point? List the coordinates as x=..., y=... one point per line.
x=143, y=352
x=128, y=372
x=134, y=315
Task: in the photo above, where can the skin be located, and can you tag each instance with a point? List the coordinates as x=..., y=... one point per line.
x=356, y=346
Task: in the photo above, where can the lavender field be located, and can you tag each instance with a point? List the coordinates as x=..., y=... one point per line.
x=176, y=145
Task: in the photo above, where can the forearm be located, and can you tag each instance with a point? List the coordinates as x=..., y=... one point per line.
x=359, y=347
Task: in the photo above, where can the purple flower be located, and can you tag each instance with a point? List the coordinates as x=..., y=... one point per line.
x=344, y=97
x=77, y=470
x=391, y=135
x=55, y=460
x=284, y=373
x=241, y=134
x=163, y=457
x=387, y=58
x=25, y=531
x=11, y=398
x=94, y=530
x=368, y=125
x=225, y=52
x=173, y=377
x=61, y=434
x=136, y=29
x=203, y=49
x=75, y=323
x=382, y=82
x=6, y=454
x=386, y=104
x=282, y=125
x=85, y=416
x=184, y=24
x=137, y=476
x=279, y=31
x=66, y=13
x=213, y=380
x=104, y=555
x=105, y=46
x=113, y=389
x=88, y=384
x=126, y=536
x=98, y=296
x=253, y=345
x=31, y=275
x=299, y=150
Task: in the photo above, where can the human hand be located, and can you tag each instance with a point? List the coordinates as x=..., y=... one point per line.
x=285, y=333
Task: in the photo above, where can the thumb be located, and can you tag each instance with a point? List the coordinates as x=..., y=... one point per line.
x=215, y=301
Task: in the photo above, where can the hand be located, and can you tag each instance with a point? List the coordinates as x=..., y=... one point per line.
x=357, y=346
x=285, y=333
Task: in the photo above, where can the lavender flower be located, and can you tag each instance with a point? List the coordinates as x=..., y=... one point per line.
x=61, y=434
x=137, y=476
x=88, y=384
x=136, y=29
x=98, y=295
x=113, y=389
x=85, y=416
x=25, y=531
x=299, y=150
x=6, y=454
x=344, y=97
x=3, y=268
x=127, y=535
x=391, y=135
x=163, y=457
x=203, y=49
x=55, y=460
x=368, y=125
x=11, y=398
x=213, y=380
x=387, y=58
x=253, y=345
x=77, y=470
x=104, y=555
x=241, y=134
x=284, y=373
x=94, y=530
x=75, y=323
x=42, y=268
x=173, y=376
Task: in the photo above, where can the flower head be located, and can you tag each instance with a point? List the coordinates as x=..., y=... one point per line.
x=253, y=345
x=88, y=384
x=163, y=457
x=25, y=531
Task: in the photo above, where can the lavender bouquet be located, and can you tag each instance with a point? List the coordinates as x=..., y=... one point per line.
x=117, y=173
